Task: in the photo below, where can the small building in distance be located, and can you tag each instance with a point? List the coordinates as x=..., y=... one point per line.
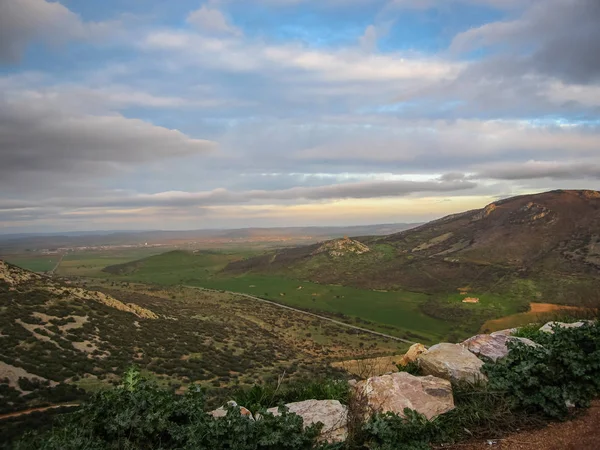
x=471, y=300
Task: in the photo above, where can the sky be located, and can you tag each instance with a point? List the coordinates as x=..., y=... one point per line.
x=146, y=114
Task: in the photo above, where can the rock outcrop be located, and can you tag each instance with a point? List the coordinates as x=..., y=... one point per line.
x=507, y=332
x=331, y=413
x=547, y=328
x=412, y=354
x=493, y=346
x=430, y=396
x=452, y=362
x=341, y=247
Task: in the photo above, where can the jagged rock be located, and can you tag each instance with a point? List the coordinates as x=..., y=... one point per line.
x=430, y=396
x=452, y=362
x=331, y=413
x=548, y=327
x=507, y=332
x=493, y=346
x=222, y=411
x=412, y=354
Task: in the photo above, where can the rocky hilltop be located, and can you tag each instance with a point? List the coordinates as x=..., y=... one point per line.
x=342, y=247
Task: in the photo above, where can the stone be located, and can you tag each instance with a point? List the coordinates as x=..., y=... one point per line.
x=548, y=327
x=493, y=346
x=507, y=332
x=412, y=354
x=331, y=413
x=222, y=411
x=452, y=362
x=430, y=396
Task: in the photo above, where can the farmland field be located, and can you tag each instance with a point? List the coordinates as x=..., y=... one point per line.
x=396, y=313
x=91, y=263
x=35, y=263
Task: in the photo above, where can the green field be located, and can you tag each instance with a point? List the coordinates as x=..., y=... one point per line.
x=394, y=312
x=91, y=263
x=35, y=263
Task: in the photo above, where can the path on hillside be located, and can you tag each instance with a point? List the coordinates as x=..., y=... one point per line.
x=581, y=433
x=279, y=305
x=53, y=271
x=32, y=410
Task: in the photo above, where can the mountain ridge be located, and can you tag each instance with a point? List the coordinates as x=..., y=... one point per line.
x=530, y=236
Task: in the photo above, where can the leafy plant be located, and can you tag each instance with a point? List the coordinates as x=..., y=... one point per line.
x=140, y=415
x=564, y=371
x=529, y=331
x=412, y=368
x=393, y=432
x=267, y=396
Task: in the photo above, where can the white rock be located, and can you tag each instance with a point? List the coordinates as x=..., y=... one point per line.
x=222, y=411
x=507, y=332
x=331, y=413
x=548, y=327
x=493, y=346
x=430, y=396
x=452, y=362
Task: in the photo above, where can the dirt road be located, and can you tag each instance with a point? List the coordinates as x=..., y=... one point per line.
x=32, y=410
x=279, y=305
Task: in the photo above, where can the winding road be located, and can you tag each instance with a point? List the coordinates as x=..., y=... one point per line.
x=53, y=271
x=300, y=311
x=32, y=410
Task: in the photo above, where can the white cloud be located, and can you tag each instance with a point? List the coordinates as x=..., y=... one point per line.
x=334, y=65
x=212, y=20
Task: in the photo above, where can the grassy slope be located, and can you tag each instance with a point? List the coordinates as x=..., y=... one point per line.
x=35, y=263
x=207, y=337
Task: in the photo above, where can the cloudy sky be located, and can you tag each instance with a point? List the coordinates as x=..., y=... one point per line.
x=146, y=114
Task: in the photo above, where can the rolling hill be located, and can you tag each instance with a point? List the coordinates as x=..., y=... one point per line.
x=543, y=246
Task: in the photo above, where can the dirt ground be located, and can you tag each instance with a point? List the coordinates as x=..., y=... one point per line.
x=538, y=312
x=582, y=433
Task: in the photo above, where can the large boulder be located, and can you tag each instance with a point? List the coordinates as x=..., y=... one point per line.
x=222, y=411
x=452, y=362
x=331, y=413
x=430, y=396
x=507, y=332
x=412, y=354
x=548, y=328
x=493, y=346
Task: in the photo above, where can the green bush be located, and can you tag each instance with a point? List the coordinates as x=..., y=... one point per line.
x=267, y=396
x=139, y=415
x=564, y=371
x=412, y=368
x=392, y=432
x=530, y=331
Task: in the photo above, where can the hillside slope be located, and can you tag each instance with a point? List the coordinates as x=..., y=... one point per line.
x=550, y=239
x=55, y=337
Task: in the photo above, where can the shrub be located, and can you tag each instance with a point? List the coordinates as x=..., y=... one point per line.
x=564, y=371
x=270, y=395
x=412, y=368
x=139, y=415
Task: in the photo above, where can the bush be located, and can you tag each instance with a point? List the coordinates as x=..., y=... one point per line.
x=412, y=368
x=271, y=395
x=564, y=371
x=139, y=415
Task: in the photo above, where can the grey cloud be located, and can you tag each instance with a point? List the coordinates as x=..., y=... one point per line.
x=359, y=190
x=23, y=21
x=542, y=169
x=559, y=38
x=44, y=141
